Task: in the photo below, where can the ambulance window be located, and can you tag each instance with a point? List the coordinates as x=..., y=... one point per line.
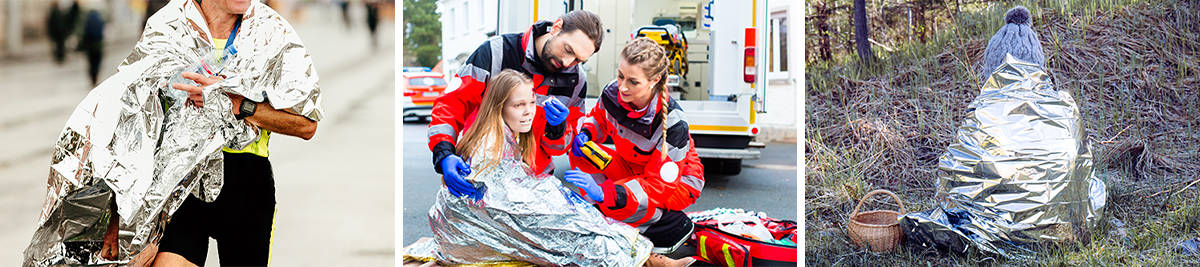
x=777, y=39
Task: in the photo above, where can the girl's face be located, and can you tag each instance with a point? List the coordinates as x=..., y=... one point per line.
x=635, y=87
x=519, y=109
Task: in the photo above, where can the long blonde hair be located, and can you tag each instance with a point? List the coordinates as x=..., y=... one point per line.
x=489, y=120
x=652, y=58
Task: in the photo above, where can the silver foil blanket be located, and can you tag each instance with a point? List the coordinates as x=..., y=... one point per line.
x=133, y=142
x=527, y=217
x=1020, y=171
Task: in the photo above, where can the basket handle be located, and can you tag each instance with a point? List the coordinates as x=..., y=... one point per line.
x=876, y=192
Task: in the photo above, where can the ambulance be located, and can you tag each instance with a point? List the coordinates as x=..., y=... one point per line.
x=719, y=92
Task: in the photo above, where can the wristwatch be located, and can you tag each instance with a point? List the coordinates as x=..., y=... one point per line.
x=247, y=109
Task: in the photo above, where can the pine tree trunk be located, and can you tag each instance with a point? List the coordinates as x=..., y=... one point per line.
x=920, y=17
x=860, y=31
x=821, y=21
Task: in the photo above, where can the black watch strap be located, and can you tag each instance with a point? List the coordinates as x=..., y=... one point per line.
x=246, y=109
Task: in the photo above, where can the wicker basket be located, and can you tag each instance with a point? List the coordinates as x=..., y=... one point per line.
x=876, y=230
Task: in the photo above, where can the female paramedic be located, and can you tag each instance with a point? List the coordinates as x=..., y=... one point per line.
x=654, y=172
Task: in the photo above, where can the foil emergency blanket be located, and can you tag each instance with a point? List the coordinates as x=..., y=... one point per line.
x=526, y=217
x=134, y=143
x=1020, y=171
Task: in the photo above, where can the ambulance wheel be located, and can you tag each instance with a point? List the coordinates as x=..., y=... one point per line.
x=731, y=166
x=722, y=166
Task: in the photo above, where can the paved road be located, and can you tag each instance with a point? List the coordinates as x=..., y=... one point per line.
x=335, y=193
x=767, y=184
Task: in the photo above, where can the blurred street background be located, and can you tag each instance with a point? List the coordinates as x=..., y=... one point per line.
x=335, y=193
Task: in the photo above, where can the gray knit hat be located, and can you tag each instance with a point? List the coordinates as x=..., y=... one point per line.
x=1016, y=38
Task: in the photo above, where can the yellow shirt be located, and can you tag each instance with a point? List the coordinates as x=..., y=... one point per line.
x=259, y=147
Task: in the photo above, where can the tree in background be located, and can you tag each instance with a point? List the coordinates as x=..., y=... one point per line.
x=422, y=33
x=832, y=25
x=821, y=17
x=918, y=8
x=860, y=31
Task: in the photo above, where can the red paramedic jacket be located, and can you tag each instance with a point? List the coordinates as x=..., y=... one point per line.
x=455, y=111
x=634, y=192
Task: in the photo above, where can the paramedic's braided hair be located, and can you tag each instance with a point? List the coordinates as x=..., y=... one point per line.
x=652, y=58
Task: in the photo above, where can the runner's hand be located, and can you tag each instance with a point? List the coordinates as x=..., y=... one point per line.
x=109, y=249
x=196, y=93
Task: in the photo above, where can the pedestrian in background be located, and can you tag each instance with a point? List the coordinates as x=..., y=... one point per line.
x=373, y=21
x=59, y=26
x=92, y=44
x=345, y=6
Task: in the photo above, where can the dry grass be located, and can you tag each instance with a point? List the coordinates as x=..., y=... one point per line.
x=1135, y=70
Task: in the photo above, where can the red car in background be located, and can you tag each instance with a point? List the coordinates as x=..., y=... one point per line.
x=420, y=91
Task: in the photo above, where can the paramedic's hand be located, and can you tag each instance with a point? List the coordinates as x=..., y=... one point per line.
x=556, y=112
x=195, y=93
x=581, y=138
x=454, y=173
x=585, y=183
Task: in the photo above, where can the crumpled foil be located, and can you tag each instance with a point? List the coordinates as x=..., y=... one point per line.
x=123, y=145
x=525, y=217
x=1019, y=173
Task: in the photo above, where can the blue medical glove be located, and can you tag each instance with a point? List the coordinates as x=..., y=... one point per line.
x=576, y=145
x=585, y=182
x=556, y=112
x=454, y=173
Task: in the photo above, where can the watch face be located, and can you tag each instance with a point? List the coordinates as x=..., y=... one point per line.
x=247, y=107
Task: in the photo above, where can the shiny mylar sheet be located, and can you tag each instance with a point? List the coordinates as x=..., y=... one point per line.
x=525, y=217
x=1018, y=173
x=134, y=143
